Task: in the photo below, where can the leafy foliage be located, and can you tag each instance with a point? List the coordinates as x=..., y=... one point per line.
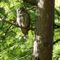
x=12, y=44
x=56, y=47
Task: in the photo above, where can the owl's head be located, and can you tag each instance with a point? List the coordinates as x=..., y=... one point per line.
x=21, y=11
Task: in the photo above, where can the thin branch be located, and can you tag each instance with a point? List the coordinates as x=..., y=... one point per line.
x=56, y=41
x=7, y=29
x=12, y=23
x=57, y=12
x=56, y=26
x=32, y=2
x=15, y=24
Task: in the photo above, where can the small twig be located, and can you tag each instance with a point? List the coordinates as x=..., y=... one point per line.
x=56, y=26
x=57, y=12
x=56, y=41
x=7, y=29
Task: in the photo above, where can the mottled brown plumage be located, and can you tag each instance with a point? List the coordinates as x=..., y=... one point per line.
x=23, y=20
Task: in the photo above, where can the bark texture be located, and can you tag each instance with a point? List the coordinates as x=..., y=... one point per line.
x=44, y=30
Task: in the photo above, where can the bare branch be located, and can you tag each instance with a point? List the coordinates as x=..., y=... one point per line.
x=32, y=2
x=15, y=24
x=12, y=23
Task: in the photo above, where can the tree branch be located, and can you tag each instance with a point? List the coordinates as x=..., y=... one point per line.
x=56, y=41
x=57, y=12
x=32, y=2
x=56, y=26
x=15, y=24
x=12, y=23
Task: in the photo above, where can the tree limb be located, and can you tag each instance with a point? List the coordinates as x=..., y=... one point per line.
x=32, y=2
x=56, y=41
x=15, y=24
x=12, y=23
x=56, y=26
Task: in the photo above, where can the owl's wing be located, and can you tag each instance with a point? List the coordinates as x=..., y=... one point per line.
x=26, y=20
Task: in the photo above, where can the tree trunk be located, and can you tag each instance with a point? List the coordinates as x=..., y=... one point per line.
x=42, y=49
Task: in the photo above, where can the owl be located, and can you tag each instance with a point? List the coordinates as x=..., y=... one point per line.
x=23, y=20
